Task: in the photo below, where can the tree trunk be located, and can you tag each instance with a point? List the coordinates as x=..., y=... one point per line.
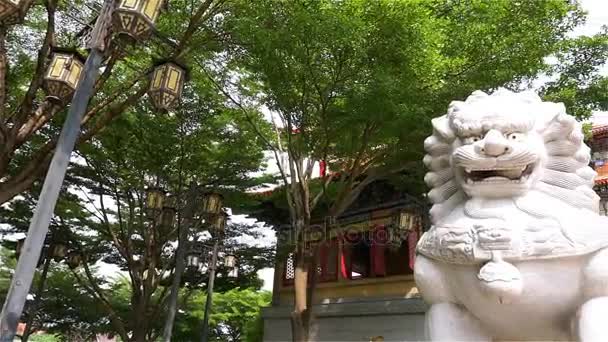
x=302, y=319
x=299, y=324
x=180, y=265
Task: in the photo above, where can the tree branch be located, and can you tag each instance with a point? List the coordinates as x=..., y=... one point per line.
x=37, y=79
x=97, y=293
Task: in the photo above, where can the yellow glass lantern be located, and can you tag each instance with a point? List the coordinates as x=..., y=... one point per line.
x=192, y=259
x=74, y=259
x=229, y=260
x=136, y=18
x=58, y=251
x=212, y=203
x=403, y=220
x=169, y=211
x=63, y=74
x=218, y=222
x=10, y=12
x=154, y=201
x=155, y=198
x=167, y=85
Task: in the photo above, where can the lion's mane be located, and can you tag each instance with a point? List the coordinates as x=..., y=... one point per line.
x=566, y=175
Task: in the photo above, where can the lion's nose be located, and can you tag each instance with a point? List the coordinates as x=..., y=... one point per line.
x=494, y=144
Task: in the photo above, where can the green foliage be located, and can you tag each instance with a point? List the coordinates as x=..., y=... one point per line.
x=360, y=80
x=45, y=338
x=577, y=82
x=235, y=316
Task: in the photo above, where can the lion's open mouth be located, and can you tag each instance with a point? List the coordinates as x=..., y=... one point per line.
x=499, y=175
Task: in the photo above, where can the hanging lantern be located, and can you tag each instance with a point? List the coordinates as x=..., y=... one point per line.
x=212, y=203
x=63, y=74
x=192, y=259
x=74, y=259
x=154, y=201
x=403, y=220
x=167, y=85
x=10, y=12
x=202, y=266
x=229, y=260
x=58, y=251
x=218, y=222
x=136, y=18
x=169, y=211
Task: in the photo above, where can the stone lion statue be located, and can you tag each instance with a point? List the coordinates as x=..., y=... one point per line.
x=517, y=250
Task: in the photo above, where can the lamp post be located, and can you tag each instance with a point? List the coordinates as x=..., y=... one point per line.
x=133, y=18
x=217, y=224
x=24, y=273
x=211, y=203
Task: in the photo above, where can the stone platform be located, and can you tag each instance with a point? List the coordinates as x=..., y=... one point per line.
x=395, y=319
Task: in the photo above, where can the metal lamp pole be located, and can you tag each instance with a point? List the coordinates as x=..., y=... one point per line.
x=182, y=242
x=24, y=273
x=212, y=266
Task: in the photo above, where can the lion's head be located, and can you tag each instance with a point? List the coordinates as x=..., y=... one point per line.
x=507, y=145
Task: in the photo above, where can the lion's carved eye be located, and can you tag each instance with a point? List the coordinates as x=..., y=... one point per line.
x=514, y=136
x=471, y=140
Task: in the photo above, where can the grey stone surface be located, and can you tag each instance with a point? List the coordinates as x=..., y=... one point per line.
x=394, y=319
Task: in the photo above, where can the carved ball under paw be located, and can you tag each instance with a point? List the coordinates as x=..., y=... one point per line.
x=501, y=280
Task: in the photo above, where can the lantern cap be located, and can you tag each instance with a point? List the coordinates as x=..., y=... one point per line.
x=212, y=192
x=156, y=62
x=71, y=51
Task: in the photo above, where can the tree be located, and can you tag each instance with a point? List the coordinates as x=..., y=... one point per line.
x=29, y=122
x=102, y=211
x=235, y=317
x=68, y=310
x=354, y=84
x=116, y=174
x=576, y=79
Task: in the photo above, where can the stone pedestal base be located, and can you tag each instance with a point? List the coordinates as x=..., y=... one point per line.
x=394, y=319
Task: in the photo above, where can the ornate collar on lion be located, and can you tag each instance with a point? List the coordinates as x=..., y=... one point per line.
x=519, y=163
x=478, y=244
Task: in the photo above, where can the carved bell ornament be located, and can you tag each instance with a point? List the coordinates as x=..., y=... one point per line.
x=63, y=74
x=167, y=85
x=10, y=12
x=136, y=18
x=212, y=203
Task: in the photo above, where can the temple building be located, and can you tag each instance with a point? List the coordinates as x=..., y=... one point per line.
x=365, y=287
x=599, y=159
